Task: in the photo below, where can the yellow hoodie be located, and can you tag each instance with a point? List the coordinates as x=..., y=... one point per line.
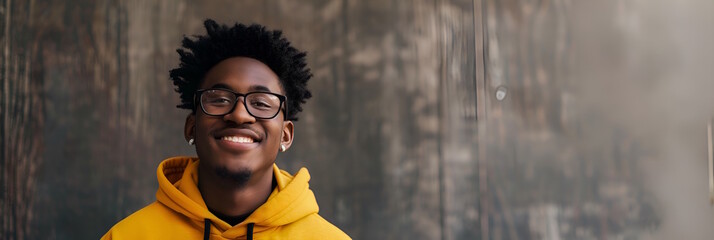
x=180, y=213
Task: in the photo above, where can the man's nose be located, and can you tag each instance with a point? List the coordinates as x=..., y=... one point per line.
x=239, y=114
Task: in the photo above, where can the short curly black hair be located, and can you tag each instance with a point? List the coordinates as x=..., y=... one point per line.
x=254, y=41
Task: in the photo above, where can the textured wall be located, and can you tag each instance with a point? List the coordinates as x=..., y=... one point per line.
x=597, y=132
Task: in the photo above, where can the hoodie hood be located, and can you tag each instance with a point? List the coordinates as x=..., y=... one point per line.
x=290, y=201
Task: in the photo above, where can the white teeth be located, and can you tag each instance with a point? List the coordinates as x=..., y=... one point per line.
x=237, y=139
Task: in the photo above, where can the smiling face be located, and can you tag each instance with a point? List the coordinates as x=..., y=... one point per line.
x=237, y=145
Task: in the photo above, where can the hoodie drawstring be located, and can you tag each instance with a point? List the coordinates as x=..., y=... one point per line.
x=207, y=229
x=249, y=234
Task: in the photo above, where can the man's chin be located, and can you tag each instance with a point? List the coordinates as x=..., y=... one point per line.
x=239, y=177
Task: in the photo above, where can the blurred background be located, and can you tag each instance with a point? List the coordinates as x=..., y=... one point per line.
x=441, y=119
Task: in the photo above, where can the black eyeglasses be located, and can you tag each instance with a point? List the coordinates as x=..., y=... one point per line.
x=261, y=105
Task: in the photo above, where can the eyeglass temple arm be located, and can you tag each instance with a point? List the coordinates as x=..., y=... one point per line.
x=285, y=114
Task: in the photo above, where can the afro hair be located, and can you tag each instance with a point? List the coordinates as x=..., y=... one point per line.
x=221, y=42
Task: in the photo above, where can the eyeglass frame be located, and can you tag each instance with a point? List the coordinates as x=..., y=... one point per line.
x=283, y=100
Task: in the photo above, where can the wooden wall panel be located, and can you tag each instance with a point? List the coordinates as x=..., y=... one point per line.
x=569, y=152
x=552, y=173
x=459, y=24
x=406, y=137
x=21, y=119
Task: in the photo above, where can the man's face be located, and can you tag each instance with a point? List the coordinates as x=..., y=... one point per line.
x=237, y=143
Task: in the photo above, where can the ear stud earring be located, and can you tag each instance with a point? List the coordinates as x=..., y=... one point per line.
x=282, y=148
x=190, y=141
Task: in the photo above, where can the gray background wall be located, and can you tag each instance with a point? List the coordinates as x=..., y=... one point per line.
x=601, y=133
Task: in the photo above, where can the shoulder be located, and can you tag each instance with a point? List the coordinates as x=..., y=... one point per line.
x=145, y=215
x=315, y=226
x=152, y=220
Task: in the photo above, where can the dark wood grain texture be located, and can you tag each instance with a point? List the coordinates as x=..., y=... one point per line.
x=406, y=136
x=554, y=172
x=21, y=119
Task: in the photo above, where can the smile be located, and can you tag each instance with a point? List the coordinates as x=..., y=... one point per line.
x=238, y=139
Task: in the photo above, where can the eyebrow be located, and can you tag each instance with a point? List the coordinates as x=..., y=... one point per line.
x=251, y=88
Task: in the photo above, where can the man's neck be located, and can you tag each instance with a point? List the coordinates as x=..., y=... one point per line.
x=231, y=199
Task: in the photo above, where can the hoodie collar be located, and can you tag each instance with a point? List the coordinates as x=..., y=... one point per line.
x=290, y=201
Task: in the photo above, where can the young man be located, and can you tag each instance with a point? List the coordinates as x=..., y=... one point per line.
x=244, y=86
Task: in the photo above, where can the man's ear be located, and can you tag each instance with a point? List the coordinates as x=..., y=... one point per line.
x=287, y=138
x=189, y=127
